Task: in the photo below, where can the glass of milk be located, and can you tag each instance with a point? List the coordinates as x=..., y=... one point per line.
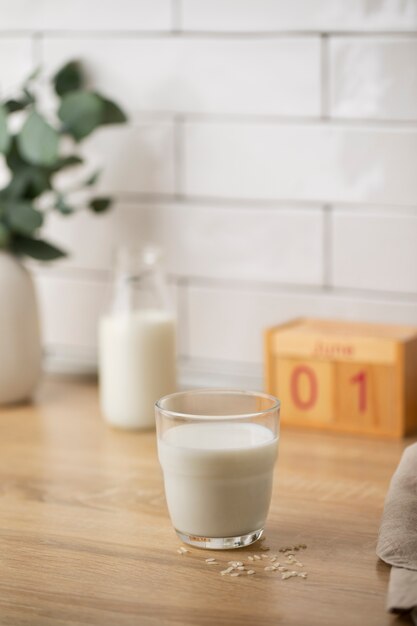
x=137, y=355
x=217, y=449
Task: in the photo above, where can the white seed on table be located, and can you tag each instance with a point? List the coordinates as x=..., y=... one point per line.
x=256, y=557
x=235, y=574
x=241, y=568
x=212, y=563
x=210, y=560
x=302, y=574
x=235, y=563
x=250, y=572
x=263, y=556
x=281, y=568
x=250, y=558
x=269, y=568
x=289, y=575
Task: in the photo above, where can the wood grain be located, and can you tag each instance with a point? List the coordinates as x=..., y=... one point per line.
x=85, y=536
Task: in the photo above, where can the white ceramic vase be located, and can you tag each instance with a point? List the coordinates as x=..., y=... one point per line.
x=20, y=344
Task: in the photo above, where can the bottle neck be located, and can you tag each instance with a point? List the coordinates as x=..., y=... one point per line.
x=142, y=290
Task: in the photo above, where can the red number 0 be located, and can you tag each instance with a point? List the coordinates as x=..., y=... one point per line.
x=360, y=378
x=310, y=401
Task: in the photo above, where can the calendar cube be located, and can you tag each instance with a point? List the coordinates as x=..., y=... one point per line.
x=344, y=376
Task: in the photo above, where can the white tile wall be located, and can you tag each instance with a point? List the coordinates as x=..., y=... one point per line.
x=373, y=78
x=70, y=310
x=376, y=251
x=135, y=158
x=16, y=63
x=263, y=77
x=86, y=15
x=230, y=322
x=216, y=242
x=278, y=15
x=319, y=162
x=271, y=150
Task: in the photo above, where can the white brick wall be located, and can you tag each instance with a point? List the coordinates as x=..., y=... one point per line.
x=268, y=76
x=367, y=76
x=271, y=151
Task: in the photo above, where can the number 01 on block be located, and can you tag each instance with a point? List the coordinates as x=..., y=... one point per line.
x=350, y=377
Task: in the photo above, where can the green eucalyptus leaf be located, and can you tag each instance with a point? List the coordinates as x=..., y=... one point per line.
x=81, y=113
x=62, y=206
x=14, y=105
x=36, y=248
x=68, y=161
x=23, y=218
x=99, y=205
x=4, y=235
x=91, y=180
x=69, y=78
x=28, y=181
x=112, y=113
x=38, y=141
x=13, y=158
x=4, y=133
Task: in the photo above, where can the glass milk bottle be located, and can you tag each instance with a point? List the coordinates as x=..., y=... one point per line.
x=137, y=363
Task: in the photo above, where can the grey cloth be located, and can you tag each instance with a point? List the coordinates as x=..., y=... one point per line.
x=397, y=541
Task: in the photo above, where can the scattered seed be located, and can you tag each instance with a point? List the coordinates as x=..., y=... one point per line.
x=270, y=568
x=250, y=572
x=264, y=549
x=212, y=563
x=235, y=563
x=273, y=559
x=263, y=556
x=281, y=568
x=235, y=574
x=289, y=575
x=256, y=557
x=250, y=558
x=241, y=568
x=210, y=560
x=302, y=574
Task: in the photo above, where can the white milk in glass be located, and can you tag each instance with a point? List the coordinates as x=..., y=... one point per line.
x=137, y=355
x=218, y=476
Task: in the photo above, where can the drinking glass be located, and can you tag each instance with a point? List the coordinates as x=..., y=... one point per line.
x=217, y=449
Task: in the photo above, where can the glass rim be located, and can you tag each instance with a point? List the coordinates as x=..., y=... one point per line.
x=276, y=404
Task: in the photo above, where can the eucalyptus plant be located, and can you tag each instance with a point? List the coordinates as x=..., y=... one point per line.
x=44, y=145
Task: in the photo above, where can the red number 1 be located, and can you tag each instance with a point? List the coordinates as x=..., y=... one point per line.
x=360, y=378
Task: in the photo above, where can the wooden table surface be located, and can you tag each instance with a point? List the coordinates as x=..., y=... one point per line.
x=85, y=536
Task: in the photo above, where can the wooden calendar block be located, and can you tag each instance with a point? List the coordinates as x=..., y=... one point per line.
x=306, y=389
x=366, y=396
x=349, y=377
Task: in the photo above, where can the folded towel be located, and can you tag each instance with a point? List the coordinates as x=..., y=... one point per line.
x=397, y=542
